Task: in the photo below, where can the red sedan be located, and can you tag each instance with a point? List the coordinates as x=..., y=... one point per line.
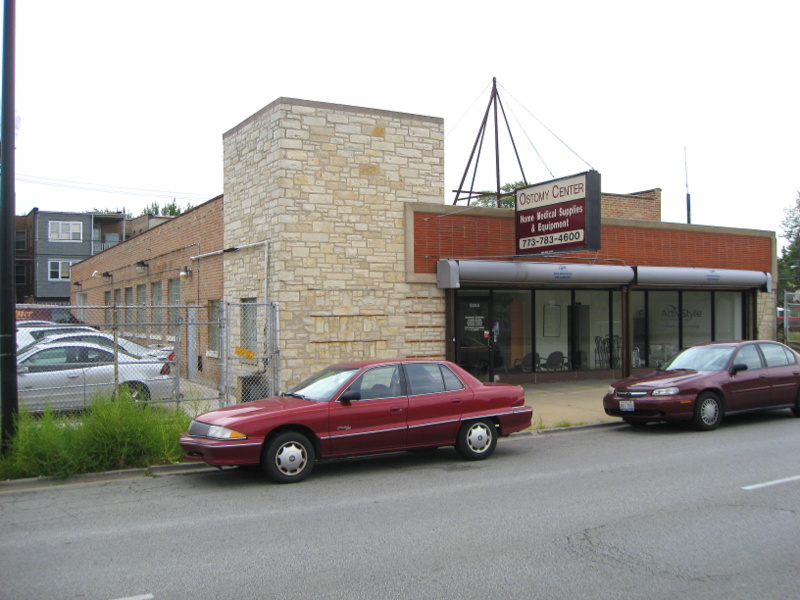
x=357, y=408
x=704, y=382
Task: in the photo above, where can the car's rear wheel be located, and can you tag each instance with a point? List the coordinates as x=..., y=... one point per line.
x=137, y=391
x=707, y=411
x=288, y=457
x=476, y=440
x=796, y=407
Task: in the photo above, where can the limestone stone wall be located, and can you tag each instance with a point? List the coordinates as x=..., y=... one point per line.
x=325, y=187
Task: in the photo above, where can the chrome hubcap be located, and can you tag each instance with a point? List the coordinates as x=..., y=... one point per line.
x=709, y=411
x=290, y=458
x=479, y=437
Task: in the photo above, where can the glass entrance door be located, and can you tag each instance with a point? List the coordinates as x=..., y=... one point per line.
x=474, y=344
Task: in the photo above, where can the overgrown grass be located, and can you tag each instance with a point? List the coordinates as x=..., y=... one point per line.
x=538, y=424
x=108, y=436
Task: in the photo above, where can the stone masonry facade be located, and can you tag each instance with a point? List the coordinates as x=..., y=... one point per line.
x=325, y=186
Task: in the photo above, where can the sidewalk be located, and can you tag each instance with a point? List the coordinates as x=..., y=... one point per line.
x=566, y=404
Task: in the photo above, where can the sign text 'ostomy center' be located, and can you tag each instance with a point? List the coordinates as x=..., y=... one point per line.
x=559, y=215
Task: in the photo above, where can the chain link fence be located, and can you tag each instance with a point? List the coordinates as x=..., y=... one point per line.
x=204, y=356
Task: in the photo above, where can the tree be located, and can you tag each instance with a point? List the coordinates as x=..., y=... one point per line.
x=171, y=209
x=789, y=261
x=108, y=211
x=507, y=197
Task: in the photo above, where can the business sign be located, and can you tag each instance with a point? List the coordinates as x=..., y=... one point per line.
x=559, y=215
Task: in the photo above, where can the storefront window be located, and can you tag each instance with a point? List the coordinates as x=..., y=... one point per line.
x=663, y=314
x=639, y=315
x=522, y=331
x=695, y=317
x=616, y=330
x=590, y=330
x=551, y=314
x=728, y=316
x=512, y=330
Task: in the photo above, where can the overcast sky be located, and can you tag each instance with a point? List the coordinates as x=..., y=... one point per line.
x=122, y=96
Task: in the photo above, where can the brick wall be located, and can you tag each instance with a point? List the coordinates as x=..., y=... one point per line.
x=645, y=206
x=490, y=233
x=165, y=248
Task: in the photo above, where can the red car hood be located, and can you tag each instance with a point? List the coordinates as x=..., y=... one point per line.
x=254, y=410
x=659, y=379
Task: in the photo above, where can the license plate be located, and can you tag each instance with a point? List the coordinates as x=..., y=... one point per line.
x=626, y=404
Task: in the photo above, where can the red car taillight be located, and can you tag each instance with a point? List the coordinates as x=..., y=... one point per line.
x=165, y=369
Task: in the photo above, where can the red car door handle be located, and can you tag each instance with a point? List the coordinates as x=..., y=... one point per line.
x=397, y=409
x=456, y=400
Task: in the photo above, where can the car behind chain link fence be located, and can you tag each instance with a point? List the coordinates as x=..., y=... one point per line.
x=207, y=356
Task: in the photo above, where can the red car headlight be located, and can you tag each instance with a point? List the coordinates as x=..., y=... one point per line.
x=223, y=433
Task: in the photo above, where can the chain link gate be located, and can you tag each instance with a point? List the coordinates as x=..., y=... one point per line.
x=250, y=367
x=789, y=317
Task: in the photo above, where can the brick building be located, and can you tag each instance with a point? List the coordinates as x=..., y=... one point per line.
x=337, y=214
x=176, y=263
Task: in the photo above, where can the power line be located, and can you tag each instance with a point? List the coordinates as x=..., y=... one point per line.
x=110, y=189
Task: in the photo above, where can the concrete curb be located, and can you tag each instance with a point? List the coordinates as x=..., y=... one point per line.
x=152, y=471
x=574, y=427
x=190, y=468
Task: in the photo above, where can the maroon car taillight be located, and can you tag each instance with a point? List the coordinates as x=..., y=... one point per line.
x=518, y=401
x=165, y=369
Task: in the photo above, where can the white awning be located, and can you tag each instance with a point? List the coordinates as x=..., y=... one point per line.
x=451, y=273
x=694, y=277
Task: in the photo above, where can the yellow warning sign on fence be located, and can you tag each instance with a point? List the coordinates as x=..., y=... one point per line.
x=244, y=353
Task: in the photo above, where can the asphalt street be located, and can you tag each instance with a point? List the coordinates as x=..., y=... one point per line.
x=602, y=512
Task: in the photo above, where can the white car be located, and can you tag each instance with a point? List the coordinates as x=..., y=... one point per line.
x=107, y=340
x=69, y=375
x=30, y=335
x=36, y=324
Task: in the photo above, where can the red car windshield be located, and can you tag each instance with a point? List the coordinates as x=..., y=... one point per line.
x=701, y=358
x=322, y=386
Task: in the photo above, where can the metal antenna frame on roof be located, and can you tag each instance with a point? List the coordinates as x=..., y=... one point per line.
x=494, y=102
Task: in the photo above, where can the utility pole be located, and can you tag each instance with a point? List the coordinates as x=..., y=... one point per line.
x=8, y=293
x=688, y=195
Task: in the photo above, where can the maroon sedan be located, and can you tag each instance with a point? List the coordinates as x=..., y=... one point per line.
x=704, y=382
x=360, y=408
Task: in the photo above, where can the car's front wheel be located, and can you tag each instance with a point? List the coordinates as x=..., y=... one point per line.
x=707, y=411
x=288, y=457
x=476, y=440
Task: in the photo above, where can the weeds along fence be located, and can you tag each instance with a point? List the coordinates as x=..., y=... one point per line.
x=212, y=355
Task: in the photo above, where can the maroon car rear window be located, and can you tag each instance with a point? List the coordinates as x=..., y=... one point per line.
x=774, y=355
x=451, y=382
